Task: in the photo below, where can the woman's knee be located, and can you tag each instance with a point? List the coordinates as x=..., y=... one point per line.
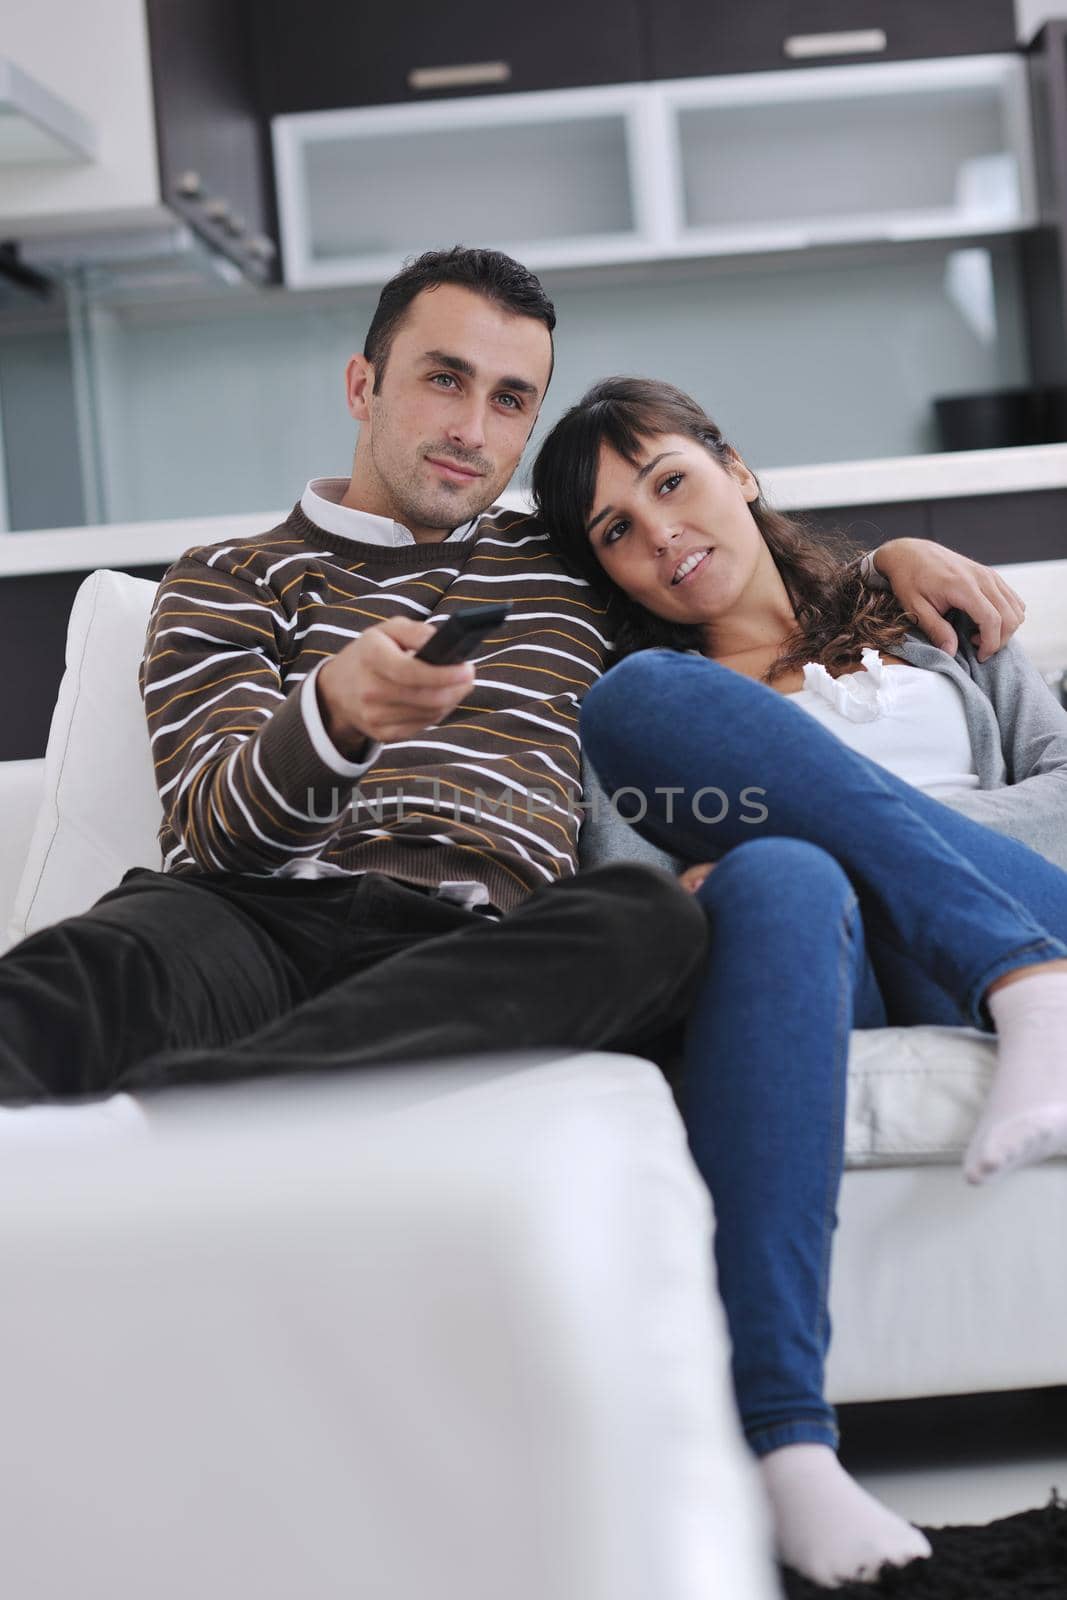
x=777, y=871
x=623, y=691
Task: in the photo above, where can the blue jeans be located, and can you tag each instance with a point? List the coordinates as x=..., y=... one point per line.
x=857, y=900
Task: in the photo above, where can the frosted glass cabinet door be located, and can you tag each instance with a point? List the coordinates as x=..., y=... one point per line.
x=546, y=177
x=691, y=37
x=331, y=54
x=767, y=160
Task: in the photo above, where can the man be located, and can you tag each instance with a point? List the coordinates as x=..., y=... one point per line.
x=324, y=902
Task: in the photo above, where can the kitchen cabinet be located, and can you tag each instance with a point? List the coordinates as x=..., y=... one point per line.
x=1044, y=251
x=327, y=54
x=992, y=528
x=34, y=609
x=1003, y=527
x=689, y=37
x=94, y=59
x=214, y=147
x=870, y=526
x=557, y=179
x=768, y=161
x=714, y=166
x=321, y=54
x=168, y=89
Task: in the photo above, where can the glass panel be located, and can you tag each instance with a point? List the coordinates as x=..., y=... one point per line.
x=922, y=152
x=403, y=192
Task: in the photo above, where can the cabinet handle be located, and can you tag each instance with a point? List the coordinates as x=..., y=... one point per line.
x=468, y=77
x=260, y=248
x=865, y=41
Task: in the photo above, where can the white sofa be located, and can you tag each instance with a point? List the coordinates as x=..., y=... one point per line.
x=447, y=1331
x=203, y=1261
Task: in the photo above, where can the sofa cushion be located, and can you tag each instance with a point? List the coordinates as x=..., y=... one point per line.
x=1043, y=588
x=914, y=1094
x=100, y=812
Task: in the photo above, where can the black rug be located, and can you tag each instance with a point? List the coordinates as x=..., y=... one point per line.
x=1023, y=1557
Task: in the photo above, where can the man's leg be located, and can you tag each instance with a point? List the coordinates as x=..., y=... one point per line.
x=606, y=959
x=160, y=961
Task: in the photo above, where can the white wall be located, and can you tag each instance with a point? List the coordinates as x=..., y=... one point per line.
x=94, y=55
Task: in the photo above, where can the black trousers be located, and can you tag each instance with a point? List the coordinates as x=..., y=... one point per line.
x=202, y=979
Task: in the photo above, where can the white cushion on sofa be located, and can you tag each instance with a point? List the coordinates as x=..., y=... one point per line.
x=1042, y=586
x=100, y=812
x=914, y=1094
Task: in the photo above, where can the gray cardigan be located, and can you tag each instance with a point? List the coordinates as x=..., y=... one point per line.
x=1018, y=732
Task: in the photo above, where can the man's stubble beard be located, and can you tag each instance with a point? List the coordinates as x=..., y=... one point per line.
x=415, y=505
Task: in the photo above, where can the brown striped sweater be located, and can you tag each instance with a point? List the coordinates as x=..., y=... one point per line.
x=490, y=796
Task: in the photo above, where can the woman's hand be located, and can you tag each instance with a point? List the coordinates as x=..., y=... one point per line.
x=693, y=877
x=929, y=580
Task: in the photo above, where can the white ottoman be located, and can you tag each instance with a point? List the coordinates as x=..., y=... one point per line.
x=443, y=1332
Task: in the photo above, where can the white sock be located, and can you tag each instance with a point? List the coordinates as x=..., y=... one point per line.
x=829, y=1529
x=1025, y=1118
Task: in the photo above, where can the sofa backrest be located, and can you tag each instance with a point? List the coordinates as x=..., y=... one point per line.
x=100, y=813
x=1043, y=587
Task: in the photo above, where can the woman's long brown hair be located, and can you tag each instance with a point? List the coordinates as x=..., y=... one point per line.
x=837, y=615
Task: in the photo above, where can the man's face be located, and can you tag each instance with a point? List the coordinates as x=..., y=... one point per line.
x=462, y=386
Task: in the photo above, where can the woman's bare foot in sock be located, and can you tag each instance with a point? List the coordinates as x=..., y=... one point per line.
x=1025, y=1118
x=827, y=1528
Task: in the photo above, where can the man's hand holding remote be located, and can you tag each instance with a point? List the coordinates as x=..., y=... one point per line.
x=375, y=689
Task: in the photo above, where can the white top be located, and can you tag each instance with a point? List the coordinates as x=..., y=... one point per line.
x=908, y=720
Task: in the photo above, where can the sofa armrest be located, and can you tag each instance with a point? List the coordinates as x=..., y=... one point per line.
x=21, y=785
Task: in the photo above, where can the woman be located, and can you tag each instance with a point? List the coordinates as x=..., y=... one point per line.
x=766, y=697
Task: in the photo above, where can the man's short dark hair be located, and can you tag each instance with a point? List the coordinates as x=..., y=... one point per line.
x=487, y=272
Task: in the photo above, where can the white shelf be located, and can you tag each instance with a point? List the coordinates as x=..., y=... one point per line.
x=751, y=164
x=36, y=125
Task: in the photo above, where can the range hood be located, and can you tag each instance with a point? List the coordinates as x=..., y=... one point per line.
x=36, y=125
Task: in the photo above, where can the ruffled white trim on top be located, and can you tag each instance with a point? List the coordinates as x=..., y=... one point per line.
x=862, y=696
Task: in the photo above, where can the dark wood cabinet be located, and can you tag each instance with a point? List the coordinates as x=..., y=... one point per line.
x=323, y=54
x=34, y=610
x=993, y=528
x=692, y=38
x=868, y=526
x=1043, y=250
x=213, y=139
x=1003, y=527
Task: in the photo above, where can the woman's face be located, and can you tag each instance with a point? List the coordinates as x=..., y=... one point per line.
x=675, y=531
